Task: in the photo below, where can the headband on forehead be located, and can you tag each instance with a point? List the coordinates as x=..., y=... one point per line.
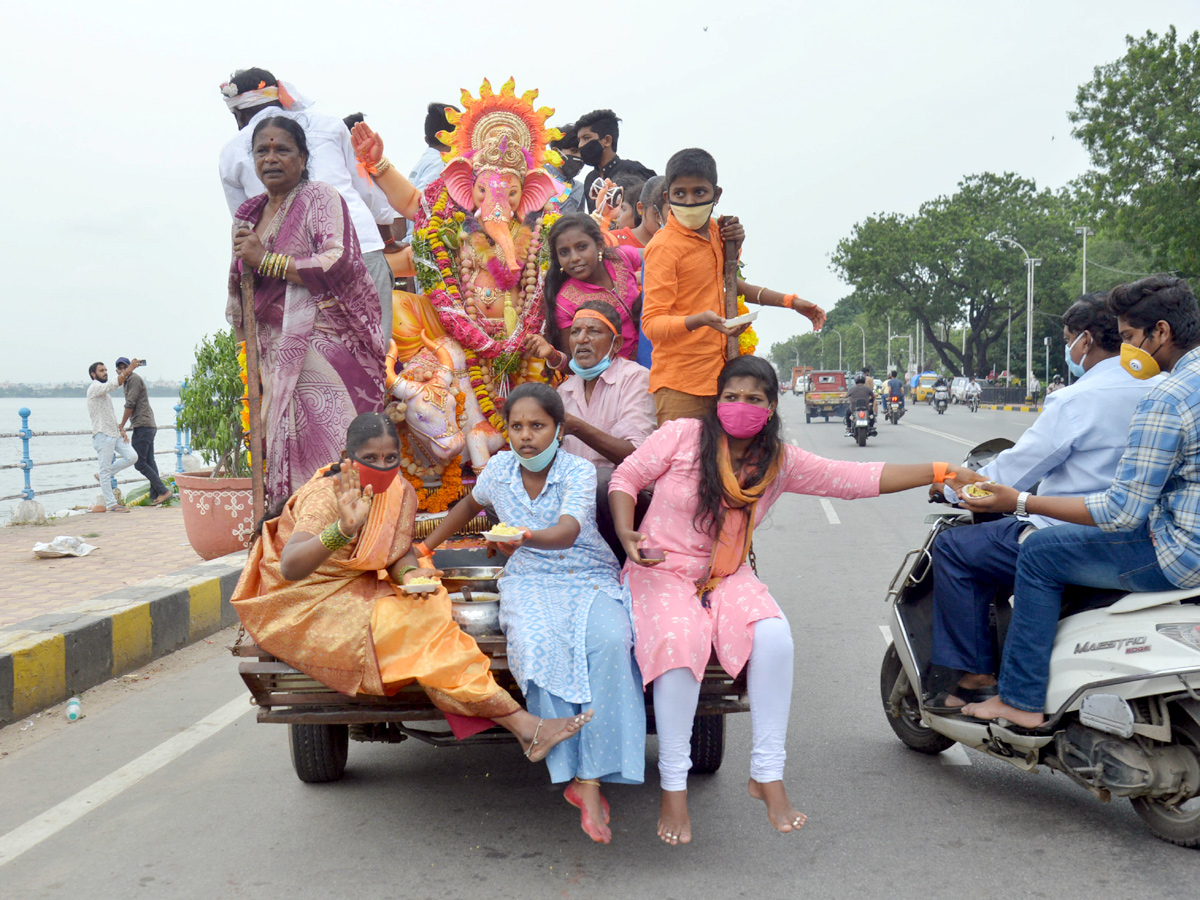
x=264, y=94
x=593, y=314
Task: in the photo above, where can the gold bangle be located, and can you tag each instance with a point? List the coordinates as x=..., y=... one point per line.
x=758, y=296
x=382, y=166
x=348, y=537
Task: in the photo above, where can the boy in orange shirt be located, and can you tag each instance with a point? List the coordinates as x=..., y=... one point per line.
x=683, y=313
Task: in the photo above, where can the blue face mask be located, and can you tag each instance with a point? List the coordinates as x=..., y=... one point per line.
x=541, y=460
x=592, y=371
x=1075, y=368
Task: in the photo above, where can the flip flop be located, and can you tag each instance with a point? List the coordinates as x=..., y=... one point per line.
x=160, y=500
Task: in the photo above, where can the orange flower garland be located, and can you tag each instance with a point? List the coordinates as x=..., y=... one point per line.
x=241, y=359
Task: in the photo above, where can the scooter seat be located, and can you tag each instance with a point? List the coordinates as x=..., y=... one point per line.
x=1077, y=599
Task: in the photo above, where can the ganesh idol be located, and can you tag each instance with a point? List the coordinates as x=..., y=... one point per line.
x=479, y=260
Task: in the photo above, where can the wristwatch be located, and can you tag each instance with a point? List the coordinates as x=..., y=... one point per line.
x=1021, y=499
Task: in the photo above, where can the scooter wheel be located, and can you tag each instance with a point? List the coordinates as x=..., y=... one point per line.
x=1177, y=823
x=908, y=725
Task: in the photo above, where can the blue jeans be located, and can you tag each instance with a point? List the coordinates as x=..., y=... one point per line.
x=1050, y=559
x=970, y=564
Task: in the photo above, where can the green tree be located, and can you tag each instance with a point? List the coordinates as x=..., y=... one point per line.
x=943, y=269
x=1139, y=118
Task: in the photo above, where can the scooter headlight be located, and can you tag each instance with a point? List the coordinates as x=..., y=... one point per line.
x=1186, y=633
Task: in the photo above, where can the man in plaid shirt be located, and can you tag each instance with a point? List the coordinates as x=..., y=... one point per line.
x=1148, y=537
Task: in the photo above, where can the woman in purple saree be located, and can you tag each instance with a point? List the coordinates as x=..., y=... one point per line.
x=321, y=342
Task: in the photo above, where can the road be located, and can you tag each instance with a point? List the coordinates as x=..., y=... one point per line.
x=136, y=799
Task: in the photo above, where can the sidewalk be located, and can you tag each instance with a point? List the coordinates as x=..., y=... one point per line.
x=69, y=624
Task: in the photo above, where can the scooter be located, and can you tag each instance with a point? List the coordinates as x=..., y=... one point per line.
x=973, y=402
x=1122, y=707
x=941, y=399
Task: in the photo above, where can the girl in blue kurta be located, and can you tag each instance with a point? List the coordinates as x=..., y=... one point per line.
x=562, y=607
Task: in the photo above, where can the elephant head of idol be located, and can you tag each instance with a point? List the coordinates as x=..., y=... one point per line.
x=499, y=184
x=429, y=395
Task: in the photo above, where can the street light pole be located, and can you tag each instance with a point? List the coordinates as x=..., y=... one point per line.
x=1008, y=350
x=889, y=344
x=1084, y=231
x=1030, y=263
x=839, y=334
x=864, y=337
x=820, y=337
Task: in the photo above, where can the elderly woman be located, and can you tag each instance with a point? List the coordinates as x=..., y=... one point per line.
x=320, y=337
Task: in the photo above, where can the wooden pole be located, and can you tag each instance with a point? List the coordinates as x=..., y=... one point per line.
x=731, y=295
x=254, y=389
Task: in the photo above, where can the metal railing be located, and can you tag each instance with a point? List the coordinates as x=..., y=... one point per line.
x=182, y=446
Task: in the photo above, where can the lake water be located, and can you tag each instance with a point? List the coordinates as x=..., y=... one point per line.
x=68, y=414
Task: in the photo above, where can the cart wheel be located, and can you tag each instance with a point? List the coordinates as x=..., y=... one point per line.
x=708, y=744
x=319, y=751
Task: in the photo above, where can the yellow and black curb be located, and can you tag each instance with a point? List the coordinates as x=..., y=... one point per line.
x=49, y=658
x=1010, y=408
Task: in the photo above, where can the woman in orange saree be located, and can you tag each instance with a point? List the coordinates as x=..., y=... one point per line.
x=322, y=591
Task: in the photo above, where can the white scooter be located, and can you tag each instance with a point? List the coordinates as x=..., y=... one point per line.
x=1123, y=704
x=941, y=399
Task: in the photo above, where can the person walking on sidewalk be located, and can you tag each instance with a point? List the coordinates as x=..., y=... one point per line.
x=140, y=417
x=108, y=438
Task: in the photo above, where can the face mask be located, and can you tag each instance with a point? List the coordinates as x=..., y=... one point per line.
x=742, y=420
x=1075, y=368
x=591, y=153
x=377, y=477
x=541, y=460
x=572, y=166
x=1137, y=362
x=592, y=371
x=692, y=215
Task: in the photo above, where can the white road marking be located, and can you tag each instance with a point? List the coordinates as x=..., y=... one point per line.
x=942, y=434
x=27, y=836
x=829, y=513
x=956, y=755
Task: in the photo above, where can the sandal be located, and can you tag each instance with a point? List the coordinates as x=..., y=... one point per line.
x=939, y=704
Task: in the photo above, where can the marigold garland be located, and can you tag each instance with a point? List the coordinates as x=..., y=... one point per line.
x=748, y=339
x=241, y=359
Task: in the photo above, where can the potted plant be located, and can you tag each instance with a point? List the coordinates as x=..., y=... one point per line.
x=218, y=508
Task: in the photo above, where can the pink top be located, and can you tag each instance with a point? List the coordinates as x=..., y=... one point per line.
x=621, y=406
x=672, y=629
x=624, y=294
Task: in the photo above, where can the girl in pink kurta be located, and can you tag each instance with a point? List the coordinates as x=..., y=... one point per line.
x=697, y=600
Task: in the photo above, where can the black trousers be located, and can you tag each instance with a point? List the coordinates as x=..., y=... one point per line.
x=143, y=446
x=604, y=519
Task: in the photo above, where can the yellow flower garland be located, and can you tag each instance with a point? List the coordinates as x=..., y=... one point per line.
x=748, y=339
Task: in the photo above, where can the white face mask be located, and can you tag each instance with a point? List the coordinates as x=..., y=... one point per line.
x=693, y=215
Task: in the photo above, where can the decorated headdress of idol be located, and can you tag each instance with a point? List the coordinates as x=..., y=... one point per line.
x=494, y=162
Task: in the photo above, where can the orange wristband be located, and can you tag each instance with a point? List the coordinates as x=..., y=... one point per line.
x=939, y=472
x=789, y=301
x=422, y=550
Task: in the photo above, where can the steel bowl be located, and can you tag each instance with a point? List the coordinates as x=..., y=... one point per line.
x=474, y=578
x=477, y=612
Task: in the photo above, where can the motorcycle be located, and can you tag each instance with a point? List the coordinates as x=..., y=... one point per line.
x=973, y=402
x=1123, y=700
x=862, y=421
x=894, y=409
x=941, y=399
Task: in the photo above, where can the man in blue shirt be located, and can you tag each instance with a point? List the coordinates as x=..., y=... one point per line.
x=1148, y=537
x=1072, y=449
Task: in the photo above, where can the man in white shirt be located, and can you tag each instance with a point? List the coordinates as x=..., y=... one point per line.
x=108, y=438
x=1072, y=450
x=254, y=94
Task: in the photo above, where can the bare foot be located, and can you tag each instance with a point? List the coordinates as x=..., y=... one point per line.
x=549, y=732
x=995, y=708
x=783, y=816
x=593, y=809
x=674, y=824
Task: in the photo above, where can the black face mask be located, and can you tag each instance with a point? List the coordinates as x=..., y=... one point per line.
x=592, y=152
x=572, y=166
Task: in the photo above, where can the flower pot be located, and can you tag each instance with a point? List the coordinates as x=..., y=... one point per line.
x=218, y=513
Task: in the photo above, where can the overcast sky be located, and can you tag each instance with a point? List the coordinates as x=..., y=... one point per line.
x=819, y=115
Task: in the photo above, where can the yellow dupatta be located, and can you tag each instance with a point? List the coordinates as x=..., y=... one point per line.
x=736, y=525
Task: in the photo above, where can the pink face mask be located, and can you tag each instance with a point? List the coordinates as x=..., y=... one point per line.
x=742, y=420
